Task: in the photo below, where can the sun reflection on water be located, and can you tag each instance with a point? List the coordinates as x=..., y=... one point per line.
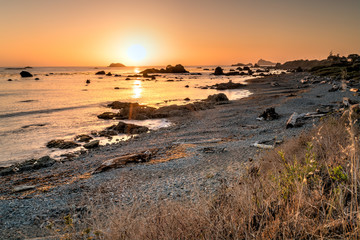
x=137, y=89
x=136, y=70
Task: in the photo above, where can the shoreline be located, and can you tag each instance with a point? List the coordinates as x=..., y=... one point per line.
x=196, y=153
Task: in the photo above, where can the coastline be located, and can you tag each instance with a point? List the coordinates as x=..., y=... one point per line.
x=205, y=148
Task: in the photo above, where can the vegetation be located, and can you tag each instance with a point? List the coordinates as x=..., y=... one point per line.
x=306, y=188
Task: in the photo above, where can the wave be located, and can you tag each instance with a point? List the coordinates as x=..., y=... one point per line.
x=46, y=111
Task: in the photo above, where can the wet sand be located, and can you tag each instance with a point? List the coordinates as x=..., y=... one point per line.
x=196, y=155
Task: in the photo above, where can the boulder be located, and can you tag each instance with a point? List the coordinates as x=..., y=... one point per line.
x=25, y=74
x=107, y=115
x=100, y=73
x=109, y=74
x=92, y=144
x=216, y=98
x=228, y=85
x=117, y=65
x=88, y=81
x=28, y=165
x=126, y=128
x=169, y=69
x=219, y=71
x=62, y=144
x=83, y=138
x=269, y=114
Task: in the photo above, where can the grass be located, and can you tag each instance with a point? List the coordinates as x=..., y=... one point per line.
x=306, y=188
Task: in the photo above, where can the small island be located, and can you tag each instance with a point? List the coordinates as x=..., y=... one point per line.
x=116, y=65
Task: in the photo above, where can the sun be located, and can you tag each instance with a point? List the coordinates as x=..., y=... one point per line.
x=136, y=53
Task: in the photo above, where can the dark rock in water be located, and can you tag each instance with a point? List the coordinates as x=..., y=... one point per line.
x=186, y=86
x=117, y=65
x=239, y=69
x=250, y=72
x=217, y=98
x=25, y=74
x=92, y=144
x=187, y=99
x=100, y=73
x=32, y=164
x=219, y=71
x=269, y=114
x=131, y=110
x=127, y=78
x=62, y=144
x=109, y=74
x=246, y=68
x=232, y=73
x=169, y=69
x=122, y=127
x=83, y=138
x=107, y=115
x=116, y=88
x=88, y=81
x=9, y=80
x=37, y=78
x=228, y=85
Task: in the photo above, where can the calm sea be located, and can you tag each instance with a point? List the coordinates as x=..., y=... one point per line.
x=60, y=105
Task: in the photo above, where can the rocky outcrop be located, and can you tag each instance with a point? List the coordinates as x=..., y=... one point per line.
x=62, y=144
x=83, y=138
x=263, y=62
x=218, y=71
x=100, y=73
x=169, y=69
x=25, y=74
x=218, y=98
x=117, y=65
x=228, y=85
x=92, y=144
x=126, y=128
x=28, y=165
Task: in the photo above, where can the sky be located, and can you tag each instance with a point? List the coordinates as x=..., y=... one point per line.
x=190, y=32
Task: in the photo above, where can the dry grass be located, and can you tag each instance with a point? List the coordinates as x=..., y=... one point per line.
x=307, y=188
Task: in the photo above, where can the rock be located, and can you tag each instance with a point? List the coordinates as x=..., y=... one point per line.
x=246, y=68
x=62, y=144
x=228, y=85
x=25, y=74
x=100, y=73
x=88, y=81
x=116, y=88
x=169, y=69
x=43, y=162
x=83, y=138
x=122, y=127
x=9, y=80
x=186, y=86
x=24, y=188
x=219, y=71
x=334, y=88
x=269, y=114
x=127, y=78
x=107, y=115
x=117, y=65
x=28, y=165
x=218, y=98
x=274, y=84
x=109, y=74
x=92, y=144
x=187, y=99
x=37, y=78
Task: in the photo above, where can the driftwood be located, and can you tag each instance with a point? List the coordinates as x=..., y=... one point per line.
x=292, y=121
x=123, y=160
x=263, y=146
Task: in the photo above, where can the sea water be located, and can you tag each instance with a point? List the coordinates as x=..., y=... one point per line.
x=60, y=105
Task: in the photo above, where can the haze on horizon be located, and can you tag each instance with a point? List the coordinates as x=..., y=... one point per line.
x=96, y=33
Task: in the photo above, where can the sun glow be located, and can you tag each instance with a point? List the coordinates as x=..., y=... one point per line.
x=136, y=53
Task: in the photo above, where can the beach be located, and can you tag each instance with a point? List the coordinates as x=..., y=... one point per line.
x=195, y=155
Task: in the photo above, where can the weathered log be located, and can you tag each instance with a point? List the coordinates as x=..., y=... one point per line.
x=123, y=160
x=263, y=146
x=292, y=120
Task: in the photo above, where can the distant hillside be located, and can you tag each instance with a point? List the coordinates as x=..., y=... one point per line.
x=263, y=62
x=304, y=64
x=117, y=65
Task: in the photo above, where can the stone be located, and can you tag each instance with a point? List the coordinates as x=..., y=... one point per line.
x=187, y=86
x=9, y=80
x=25, y=74
x=83, y=138
x=228, y=85
x=100, y=73
x=126, y=128
x=62, y=144
x=117, y=65
x=109, y=74
x=220, y=97
x=269, y=114
x=88, y=81
x=107, y=115
x=187, y=99
x=219, y=71
x=92, y=144
x=37, y=79
x=169, y=69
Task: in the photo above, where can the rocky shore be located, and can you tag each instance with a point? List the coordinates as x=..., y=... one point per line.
x=194, y=156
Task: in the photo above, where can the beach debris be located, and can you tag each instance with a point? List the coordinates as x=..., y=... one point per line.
x=274, y=84
x=23, y=188
x=25, y=74
x=92, y=144
x=269, y=114
x=218, y=71
x=62, y=144
x=262, y=146
x=293, y=120
x=100, y=73
x=218, y=98
x=119, y=162
x=354, y=90
x=334, y=88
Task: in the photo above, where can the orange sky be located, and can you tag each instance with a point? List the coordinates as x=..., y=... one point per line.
x=196, y=32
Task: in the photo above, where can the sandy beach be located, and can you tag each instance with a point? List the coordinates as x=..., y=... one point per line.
x=194, y=156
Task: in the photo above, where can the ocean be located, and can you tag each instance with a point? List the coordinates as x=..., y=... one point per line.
x=60, y=105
